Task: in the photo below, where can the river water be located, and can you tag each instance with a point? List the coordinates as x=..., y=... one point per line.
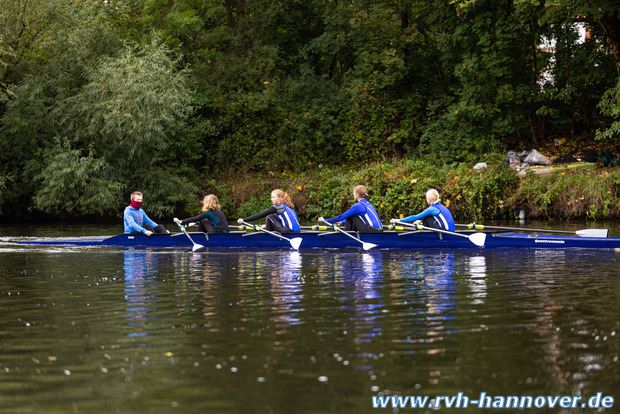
x=108, y=330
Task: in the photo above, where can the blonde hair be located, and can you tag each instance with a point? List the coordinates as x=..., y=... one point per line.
x=136, y=194
x=361, y=191
x=210, y=202
x=284, y=196
x=432, y=196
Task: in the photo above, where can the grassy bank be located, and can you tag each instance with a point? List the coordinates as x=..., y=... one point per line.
x=398, y=187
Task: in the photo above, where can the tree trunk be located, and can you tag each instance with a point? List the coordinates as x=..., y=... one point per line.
x=230, y=17
x=611, y=25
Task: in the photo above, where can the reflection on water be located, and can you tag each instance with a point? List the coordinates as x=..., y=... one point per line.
x=477, y=279
x=140, y=282
x=138, y=331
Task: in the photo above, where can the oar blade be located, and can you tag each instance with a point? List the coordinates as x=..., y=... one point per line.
x=601, y=233
x=368, y=246
x=197, y=247
x=296, y=242
x=478, y=239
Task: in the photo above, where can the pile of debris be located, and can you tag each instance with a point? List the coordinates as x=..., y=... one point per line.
x=525, y=159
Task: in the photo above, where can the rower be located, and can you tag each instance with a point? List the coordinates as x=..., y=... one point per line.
x=212, y=219
x=281, y=216
x=135, y=219
x=436, y=215
x=361, y=217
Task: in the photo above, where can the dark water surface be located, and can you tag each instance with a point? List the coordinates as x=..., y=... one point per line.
x=95, y=330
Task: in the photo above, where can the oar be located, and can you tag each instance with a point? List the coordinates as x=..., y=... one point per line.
x=365, y=246
x=182, y=227
x=295, y=242
x=316, y=227
x=477, y=238
x=395, y=228
x=600, y=233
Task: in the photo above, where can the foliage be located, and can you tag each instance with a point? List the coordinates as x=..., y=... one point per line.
x=610, y=106
x=75, y=184
x=575, y=195
x=127, y=114
x=494, y=81
x=254, y=205
x=98, y=99
x=481, y=194
x=398, y=188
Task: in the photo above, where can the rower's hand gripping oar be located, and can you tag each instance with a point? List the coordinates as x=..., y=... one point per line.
x=365, y=246
x=295, y=242
x=182, y=227
x=477, y=238
x=598, y=233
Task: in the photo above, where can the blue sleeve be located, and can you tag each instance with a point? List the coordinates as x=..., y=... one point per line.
x=130, y=223
x=147, y=220
x=430, y=211
x=356, y=209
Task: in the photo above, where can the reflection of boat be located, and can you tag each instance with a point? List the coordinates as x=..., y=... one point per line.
x=140, y=270
x=330, y=239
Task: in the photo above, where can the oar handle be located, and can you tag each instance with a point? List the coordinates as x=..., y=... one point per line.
x=415, y=226
x=332, y=226
x=474, y=226
x=255, y=227
x=246, y=226
x=393, y=226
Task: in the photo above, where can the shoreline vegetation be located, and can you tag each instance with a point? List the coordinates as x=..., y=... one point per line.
x=397, y=188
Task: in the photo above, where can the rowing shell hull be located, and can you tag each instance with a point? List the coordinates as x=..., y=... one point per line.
x=334, y=240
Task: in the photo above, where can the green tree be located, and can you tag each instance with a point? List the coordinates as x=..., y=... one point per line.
x=89, y=119
x=50, y=44
x=487, y=53
x=582, y=71
x=120, y=126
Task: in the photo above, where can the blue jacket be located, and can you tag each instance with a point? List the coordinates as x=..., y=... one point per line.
x=133, y=220
x=436, y=215
x=365, y=210
x=285, y=214
x=288, y=217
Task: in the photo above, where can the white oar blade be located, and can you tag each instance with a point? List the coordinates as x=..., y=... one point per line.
x=296, y=242
x=478, y=239
x=602, y=233
x=197, y=247
x=368, y=246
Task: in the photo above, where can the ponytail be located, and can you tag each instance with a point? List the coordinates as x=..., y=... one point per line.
x=286, y=199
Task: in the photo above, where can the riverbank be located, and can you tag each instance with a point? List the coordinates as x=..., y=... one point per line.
x=398, y=187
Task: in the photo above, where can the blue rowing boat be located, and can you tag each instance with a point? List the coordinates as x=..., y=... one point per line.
x=339, y=240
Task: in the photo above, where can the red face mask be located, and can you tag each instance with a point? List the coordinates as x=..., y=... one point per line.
x=136, y=204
